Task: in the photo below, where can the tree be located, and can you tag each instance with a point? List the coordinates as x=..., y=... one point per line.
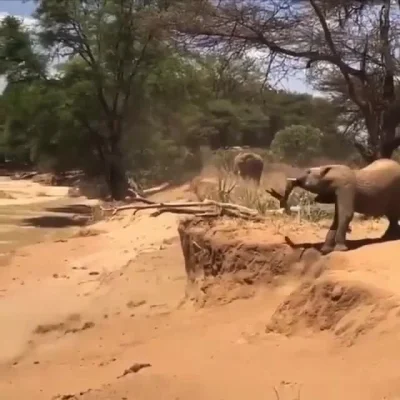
x=19, y=62
x=39, y=127
x=137, y=104
x=117, y=41
x=232, y=112
x=348, y=47
x=22, y=67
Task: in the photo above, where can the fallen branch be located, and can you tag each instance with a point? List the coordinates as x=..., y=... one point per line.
x=156, y=189
x=187, y=204
x=223, y=212
x=204, y=209
x=24, y=175
x=173, y=210
x=136, y=197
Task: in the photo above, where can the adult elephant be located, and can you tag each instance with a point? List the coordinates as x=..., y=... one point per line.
x=249, y=166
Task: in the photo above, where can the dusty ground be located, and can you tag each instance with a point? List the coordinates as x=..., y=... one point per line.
x=76, y=312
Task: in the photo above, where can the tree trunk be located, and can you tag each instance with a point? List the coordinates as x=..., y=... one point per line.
x=115, y=170
x=117, y=181
x=387, y=144
x=366, y=152
x=386, y=151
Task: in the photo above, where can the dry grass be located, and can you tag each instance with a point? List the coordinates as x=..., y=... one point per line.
x=287, y=390
x=228, y=188
x=223, y=185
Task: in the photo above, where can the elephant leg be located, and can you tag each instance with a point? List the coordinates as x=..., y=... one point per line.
x=329, y=243
x=326, y=198
x=345, y=212
x=259, y=174
x=393, y=230
x=257, y=180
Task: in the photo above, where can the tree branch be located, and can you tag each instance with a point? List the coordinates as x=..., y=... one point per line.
x=344, y=68
x=259, y=38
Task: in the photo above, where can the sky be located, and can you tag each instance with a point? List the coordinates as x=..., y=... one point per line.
x=25, y=8
x=17, y=7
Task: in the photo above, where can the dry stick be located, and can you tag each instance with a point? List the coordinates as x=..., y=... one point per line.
x=143, y=200
x=238, y=214
x=225, y=208
x=156, y=189
x=208, y=214
x=186, y=204
x=136, y=199
x=147, y=192
x=197, y=213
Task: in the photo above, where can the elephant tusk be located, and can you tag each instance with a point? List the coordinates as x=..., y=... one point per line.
x=291, y=179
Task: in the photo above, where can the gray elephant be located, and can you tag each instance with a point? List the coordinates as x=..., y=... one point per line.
x=373, y=191
x=249, y=166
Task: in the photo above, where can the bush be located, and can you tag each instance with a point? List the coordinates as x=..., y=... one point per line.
x=298, y=144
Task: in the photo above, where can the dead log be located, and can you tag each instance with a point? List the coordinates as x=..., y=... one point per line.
x=156, y=189
x=186, y=204
x=206, y=209
x=223, y=212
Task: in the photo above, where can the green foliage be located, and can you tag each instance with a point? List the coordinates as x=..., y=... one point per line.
x=123, y=91
x=38, y=130
x=18, y=59
x=298, y=143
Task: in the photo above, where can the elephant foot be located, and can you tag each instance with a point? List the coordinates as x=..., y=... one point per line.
x=393, y=230
x=326, y=249
x=340, y=247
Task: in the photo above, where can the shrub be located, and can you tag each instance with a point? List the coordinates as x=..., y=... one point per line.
x=298, y=144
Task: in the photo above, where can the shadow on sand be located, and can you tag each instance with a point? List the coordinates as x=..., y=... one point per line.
x=81, y=209
x=54, y=221
x=351, y=244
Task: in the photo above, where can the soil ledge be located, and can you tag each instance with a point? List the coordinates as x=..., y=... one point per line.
x=227, y=259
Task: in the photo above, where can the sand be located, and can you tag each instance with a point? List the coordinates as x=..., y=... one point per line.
x=78, y=312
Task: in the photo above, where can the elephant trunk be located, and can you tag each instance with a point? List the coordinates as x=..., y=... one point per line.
x=296, y=181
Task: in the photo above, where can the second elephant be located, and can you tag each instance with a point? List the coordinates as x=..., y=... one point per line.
x=249, y=166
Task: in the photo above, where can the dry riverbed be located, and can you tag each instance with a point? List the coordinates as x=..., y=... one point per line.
x=104, y=313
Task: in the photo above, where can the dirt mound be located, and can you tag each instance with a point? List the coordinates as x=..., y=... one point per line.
x=347, y=309
x=225, y=260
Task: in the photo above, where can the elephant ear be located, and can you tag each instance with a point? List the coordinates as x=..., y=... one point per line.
x=325, y=170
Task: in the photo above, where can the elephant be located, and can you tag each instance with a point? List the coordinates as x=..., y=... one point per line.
x=249, y=166
x=373, y=191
